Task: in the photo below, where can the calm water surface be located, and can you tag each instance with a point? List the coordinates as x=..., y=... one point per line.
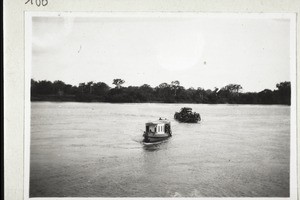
x=96, y=150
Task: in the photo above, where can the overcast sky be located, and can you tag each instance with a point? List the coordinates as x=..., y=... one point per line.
x=199, y=52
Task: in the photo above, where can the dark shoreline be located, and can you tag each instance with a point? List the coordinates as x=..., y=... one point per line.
x=67, y=98
x=164, y=93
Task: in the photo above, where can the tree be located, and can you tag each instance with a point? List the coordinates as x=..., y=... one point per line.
x=266, y=97
x=284, y=85
x=283, y=94
x=90, y=86
x=146, y=92
x=33, y=88
x=229, y=93
x=200, y=95
x=118, y=82
x=70, y=89
x=82, y=87
x=100, y=88
x=212, y=95
x=44, y=87
x=233, y=88
x=175, y=85
x=164, y=91
x=163, y=85
x=59, y=87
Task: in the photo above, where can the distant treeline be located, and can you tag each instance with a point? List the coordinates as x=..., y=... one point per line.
x=165, y=93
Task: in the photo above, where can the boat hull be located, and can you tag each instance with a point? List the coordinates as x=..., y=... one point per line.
x=155, y=138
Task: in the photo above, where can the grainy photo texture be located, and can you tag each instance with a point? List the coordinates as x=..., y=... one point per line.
x=159, y=105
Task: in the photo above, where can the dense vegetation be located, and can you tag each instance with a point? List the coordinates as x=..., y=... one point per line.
x=166, y=93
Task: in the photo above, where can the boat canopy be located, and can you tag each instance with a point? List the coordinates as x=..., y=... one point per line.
x=160, y=121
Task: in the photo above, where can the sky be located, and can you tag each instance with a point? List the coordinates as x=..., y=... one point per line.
x=196, y=51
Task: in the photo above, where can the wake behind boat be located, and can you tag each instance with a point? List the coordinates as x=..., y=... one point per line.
x=157, y=131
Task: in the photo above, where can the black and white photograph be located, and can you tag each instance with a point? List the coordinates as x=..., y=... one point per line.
x=160, y=104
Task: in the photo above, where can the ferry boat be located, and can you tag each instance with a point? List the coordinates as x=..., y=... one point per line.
x=157, y=130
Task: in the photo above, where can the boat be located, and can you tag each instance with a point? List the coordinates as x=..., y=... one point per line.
x=187, y=116
x=158, y=130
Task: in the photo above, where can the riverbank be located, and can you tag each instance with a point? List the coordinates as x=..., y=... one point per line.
x=164, y=93
x=93, y=98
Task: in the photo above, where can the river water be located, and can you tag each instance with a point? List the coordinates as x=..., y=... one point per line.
x=96, y=150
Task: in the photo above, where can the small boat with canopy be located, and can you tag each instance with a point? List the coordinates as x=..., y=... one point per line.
x=157, y=130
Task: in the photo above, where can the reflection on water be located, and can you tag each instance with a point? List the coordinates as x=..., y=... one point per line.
x=155, y=146
x=97, y=150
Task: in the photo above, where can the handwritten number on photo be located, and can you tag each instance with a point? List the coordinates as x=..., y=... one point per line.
x=38, y=2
